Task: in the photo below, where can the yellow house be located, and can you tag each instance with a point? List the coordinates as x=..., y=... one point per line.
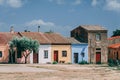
x=61, y=53
x=60, y=48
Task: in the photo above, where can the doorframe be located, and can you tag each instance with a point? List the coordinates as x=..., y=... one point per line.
x=77, y=58
x=57, y=55
x=96, y=57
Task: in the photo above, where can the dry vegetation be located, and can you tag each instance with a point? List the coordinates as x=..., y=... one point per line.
x=65, y=72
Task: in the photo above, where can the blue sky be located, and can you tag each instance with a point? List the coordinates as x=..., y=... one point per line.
x=58, y=15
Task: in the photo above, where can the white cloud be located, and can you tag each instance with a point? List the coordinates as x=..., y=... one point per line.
x=1, y=2
x=12, y=3
x=47, y=26
x=113, y=5
x=94, y=2
x=77, y=2
x=39, y=22
x=58, y=1
x=73, y=2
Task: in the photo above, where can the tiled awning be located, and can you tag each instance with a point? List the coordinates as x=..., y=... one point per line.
x=114, y=46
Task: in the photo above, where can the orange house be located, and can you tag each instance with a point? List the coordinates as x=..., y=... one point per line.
x=114, y=51
x=5, y=37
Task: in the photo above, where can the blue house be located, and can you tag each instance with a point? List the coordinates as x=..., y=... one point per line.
x=79, y=50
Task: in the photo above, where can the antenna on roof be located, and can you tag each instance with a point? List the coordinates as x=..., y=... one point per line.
x=12, y=29
x=38, y=28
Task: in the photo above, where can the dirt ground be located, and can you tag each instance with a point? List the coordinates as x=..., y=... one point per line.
x=57, y=72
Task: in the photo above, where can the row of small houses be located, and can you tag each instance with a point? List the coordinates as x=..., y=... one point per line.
x=53, y=47
x=87, y=42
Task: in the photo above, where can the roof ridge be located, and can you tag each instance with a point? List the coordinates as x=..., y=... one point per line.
x=114, y=37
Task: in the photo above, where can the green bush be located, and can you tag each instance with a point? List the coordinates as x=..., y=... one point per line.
x=69, y=63
x=55, y=62
x=112, y=62
x=98, y=62
x=83, y=62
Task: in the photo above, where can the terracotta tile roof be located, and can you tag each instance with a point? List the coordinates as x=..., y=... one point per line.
x=115, y=37
x=5, y=37
x=114, y=46
x=56, y=38
x=92, y=27
x=37, y=36
x=46, y=38
x=73, y=40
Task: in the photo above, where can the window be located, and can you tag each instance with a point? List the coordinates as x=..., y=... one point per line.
x=83, y=54
x=64, y=53
x=0, y=53
x=46, y=54
x=98, y=37
x=98, y=48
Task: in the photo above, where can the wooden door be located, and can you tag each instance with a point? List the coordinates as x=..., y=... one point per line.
x=56, y=56
x=98, y=57
x=75, y=57
x=35, y=58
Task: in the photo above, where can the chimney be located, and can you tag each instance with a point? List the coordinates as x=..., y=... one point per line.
x=11, y=29
x=38, y=28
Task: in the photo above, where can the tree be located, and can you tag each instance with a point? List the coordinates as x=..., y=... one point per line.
x=24, y=45
x=116, y=33
x=12, y=49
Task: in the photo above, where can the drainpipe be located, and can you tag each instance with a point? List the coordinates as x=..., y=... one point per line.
x=90, y=50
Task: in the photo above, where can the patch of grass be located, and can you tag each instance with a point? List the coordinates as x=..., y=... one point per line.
x=55, y=62
x=83, y=62
x=69, y=63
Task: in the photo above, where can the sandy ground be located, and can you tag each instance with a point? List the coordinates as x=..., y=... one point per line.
x=57, y=72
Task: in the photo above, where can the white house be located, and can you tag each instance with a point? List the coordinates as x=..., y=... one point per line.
x=44, y=54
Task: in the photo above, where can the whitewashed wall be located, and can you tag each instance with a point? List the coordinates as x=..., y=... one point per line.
x=31, y=58
x=77, y=48
x=41, y=58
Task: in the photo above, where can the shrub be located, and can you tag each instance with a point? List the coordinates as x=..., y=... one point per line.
x=98, y=62
x=83, y=62
x=69, y=63
x=112, y=62
x=55, y=62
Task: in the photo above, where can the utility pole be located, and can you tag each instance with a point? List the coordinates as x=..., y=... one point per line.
x=38, y=28
x=90, y=50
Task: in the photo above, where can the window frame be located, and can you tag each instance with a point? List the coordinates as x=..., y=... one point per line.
x=64, y=53
x=98, y=37
x=45, y=54
x=0, y=54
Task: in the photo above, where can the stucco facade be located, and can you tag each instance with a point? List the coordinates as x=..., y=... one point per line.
x=81, y=50
x=96, y=37
x=44, y=55
x=114, y=53
x=59, y=49
x=4, y=54
x=114, y=48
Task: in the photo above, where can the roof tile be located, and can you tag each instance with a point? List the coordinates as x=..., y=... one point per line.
x=114, y=45
x=115, y=37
